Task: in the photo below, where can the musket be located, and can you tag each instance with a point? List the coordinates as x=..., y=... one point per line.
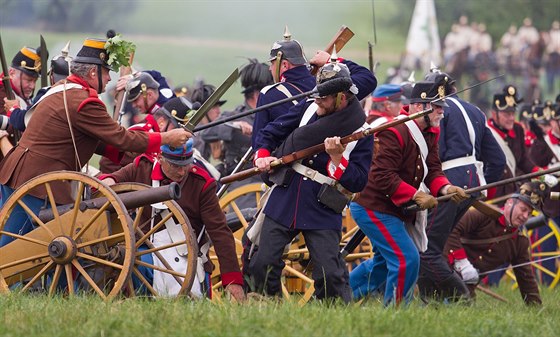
x=340, y=39
x=307, y=152
x=372, y=65
x=191, y=124
x=121, y=96
x=6, y=78
x=238, y=167
x=44, y=60
x=323, y=89
x=553, y=196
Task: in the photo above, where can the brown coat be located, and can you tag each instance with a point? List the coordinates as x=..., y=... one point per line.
x=201, y=205
x=47, y=145
x=543, y=156
x=397, y=171
x=488, y=256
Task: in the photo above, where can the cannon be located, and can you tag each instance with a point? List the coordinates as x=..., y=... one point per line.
x=101, y=244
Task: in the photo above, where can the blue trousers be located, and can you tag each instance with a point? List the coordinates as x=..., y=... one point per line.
x=396, y=262
x=19, y=222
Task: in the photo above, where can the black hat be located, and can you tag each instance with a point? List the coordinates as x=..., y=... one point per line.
x=334, y=70
x=60, y=64
x=203, y=92
x=511, y=90
x=139, y=84
x=429, y=92
x=437, y=76
x=28, y=60
x=505, y=103
x=177, y=110
x=255, y=76
x=533, y=194
x=542, y=113
x=93, y=52
x=288, y=49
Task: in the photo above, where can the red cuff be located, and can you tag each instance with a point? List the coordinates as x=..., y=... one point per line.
x=234, y=277
x=403, y=194
x=154, y=142
x=535, y=169
x=339, y=170
x=113, y=154
x=261, y=153
x=106, y=175
x=9, y=112
x=456, y=255
x=437, y=184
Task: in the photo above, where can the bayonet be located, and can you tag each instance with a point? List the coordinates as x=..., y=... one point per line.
x=6, y=77
x=210, y=102
x=44, y=60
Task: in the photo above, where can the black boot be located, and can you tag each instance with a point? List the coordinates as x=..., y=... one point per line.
x=453, y=289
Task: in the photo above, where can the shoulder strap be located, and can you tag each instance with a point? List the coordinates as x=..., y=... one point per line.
x=510, y=158
x=421, y=142
x=470, y=127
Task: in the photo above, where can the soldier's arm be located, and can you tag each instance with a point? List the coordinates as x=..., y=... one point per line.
x=525, y=278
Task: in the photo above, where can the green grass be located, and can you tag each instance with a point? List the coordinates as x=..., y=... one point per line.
x=27, y=315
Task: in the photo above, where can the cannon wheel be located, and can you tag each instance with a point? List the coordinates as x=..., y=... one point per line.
x=536, y=253
x=144, y=239
x=90, y=250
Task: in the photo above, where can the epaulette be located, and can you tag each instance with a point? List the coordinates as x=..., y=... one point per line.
x=202, y=173
x=93, y=98
x=151, y=159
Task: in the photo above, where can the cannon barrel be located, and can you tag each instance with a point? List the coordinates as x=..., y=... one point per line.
x=130, y=200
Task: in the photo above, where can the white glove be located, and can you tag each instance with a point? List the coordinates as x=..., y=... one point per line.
x=550, y=180
x=468, y=273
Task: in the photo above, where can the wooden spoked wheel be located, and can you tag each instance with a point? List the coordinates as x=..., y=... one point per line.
x=75, y=249
x=148, y=225
x=541, y=269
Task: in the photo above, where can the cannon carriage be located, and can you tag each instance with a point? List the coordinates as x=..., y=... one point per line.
x=99, y=243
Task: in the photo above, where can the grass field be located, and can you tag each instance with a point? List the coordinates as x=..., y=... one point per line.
x=89, y=316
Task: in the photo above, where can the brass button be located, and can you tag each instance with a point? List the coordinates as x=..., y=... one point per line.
x=480, y=257
x=464, y=187
x=194, y=169
x=418, y=167
x=451, y=250
x=415, y=178
x=468, y=171
x=310, y=162
x=418, y=156
x=489, y=250
x=315, y=156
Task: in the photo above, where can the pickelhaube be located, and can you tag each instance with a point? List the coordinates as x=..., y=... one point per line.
x=288, y=49
x=429, y=92
x=60, y=64
x=334, y=70
x=181, y=156
x=28, y=61
x=177, y=110
x=139, y=84
x=437, y=76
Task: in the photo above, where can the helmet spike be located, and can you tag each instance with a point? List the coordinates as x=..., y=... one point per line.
x=334, y=56
x=66, y=49
x=434, y=68
x=287, y=34
x=411, y=78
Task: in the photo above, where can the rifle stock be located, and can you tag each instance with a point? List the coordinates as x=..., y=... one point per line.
x=340, y=39
x=120, y=96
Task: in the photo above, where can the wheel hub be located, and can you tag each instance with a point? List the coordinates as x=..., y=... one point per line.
x=62, y=250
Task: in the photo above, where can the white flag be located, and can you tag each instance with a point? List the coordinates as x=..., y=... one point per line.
x=423, y=44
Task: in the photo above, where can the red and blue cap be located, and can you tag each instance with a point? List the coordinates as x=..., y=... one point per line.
x=181, y=156
x=388, y=92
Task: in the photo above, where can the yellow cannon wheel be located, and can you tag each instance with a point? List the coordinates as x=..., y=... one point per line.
x=85, y=250
x=144, y=239
x=552, y=237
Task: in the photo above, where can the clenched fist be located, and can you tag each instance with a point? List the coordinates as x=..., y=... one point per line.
x=457, y=194
x=424, y=200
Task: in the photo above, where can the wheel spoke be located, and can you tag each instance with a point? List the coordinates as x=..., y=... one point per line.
x=163, y=247
x=38, y=275
x=96, y=241
x=541, y=240
x=136, y=222
x=100, y=261
x=53, y=207
x=35, y=217
x=163, y=270
x=79, y=195
x=239, y=214
x=25, y=238
x=88, y=278
x=153, y=229
x=300, y=275
x=27, y=259
x=92, y=220
x=546, y=254
x=130, y=285
x=544, y=269
x=56, y=277
x=69, y=280
x=145, y=282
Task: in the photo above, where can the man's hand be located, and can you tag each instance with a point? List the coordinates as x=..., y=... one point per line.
x=263, y=164
x=121, y=83
x=320, y=58
x=236, y=292
x=175, y=137
x=424, y=200
x=458, y=194
x=10, y=103
x=468, y=273
x=334, y=149
x=246, y=128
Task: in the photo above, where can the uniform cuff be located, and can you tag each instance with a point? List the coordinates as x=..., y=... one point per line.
x=261, y=153
x=437, y=184
x=12, y=109
x=455, y=255
x=113, y=154
x=154, y=142
x=107, y=175
x=336, y=172
x=234, y=277
x=403, y=194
